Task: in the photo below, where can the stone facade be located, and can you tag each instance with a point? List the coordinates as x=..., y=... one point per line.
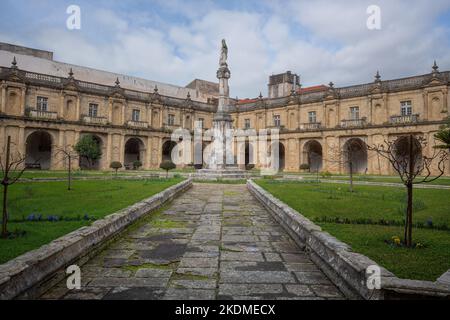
x=43, y=112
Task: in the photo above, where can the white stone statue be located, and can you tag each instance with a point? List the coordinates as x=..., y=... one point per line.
x=224, y=54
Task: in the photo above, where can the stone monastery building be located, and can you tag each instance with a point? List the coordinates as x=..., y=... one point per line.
x=46, y=105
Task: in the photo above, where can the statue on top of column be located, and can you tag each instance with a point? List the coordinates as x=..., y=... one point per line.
x=224, y=54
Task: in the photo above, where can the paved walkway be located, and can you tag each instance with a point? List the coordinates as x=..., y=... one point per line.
x=213, y=242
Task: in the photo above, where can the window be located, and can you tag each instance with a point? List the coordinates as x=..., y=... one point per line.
x=247, y=124
x=171, y=121
x=136, y=115
x=42, y=104
x=201, y=122
x=93, y=110
x=406, y=108
x=277, y=121
x=354, y=113
x=312, y=117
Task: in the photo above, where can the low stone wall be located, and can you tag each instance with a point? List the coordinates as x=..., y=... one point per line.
x=347, y=269
x=28, y=275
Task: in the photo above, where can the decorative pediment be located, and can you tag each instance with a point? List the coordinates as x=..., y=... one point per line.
x=16, y=76
x=117, y=91
x=436, y=78
x=331, y=93
x=293, y=97
x=155, y=96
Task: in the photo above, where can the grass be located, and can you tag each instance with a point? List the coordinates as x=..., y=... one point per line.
x=31, y=174
x=375, y=202
x=327, y=200
x=96, y=198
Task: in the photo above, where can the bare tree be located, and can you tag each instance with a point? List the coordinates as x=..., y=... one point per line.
x=12, y=169
x=348, y=156
x=405, y=156
x=68, y=154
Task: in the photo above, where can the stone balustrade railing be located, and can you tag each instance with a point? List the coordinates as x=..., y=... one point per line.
x=311, y=126
x=353, y=123
x=43, y=114
x=95, y=120
x=138, y=124
x=412, y=118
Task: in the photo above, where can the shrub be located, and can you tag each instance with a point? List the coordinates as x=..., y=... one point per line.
x=325, y=174
x=167, y=165
x=137, y=164
x=304, y=166
x=116, y=165
x=249, y=167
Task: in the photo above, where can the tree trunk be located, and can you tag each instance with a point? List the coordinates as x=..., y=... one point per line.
x=351, y=175
x=409, y=186
x=5, y=190
x=69, y=187
x=5, y=212
x=409, y=211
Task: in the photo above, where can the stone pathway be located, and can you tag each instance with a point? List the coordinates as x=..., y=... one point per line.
x=213, y=242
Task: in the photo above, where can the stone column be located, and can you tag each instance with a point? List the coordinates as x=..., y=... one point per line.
x=3, y=105
x=21, y=147
x=108, y=149
x=150, y=115
x=122, y=149
x=23, y=101
x=77, y=116
x=124, y=109
x=110, y=110
x=61, y=105
x=425, y=105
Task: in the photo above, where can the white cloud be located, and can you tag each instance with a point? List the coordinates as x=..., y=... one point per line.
x=321, y=40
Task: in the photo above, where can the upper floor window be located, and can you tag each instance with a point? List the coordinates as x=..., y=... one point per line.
x=136, y=115
x=171, y=120
x=247, y=124
x=406, y=108
x=201, y=122
x=93, y=110
x=277, y=120
x=42, y=104
x=312, y=117
x=354, y=113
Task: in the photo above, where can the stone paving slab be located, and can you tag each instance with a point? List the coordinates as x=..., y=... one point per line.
x=211, y=246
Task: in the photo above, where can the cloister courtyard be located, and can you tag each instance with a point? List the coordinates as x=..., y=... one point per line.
x=217, y=241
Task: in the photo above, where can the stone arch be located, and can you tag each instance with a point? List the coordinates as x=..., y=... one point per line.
x=134, y=151
x=167, y=149
x=38, y=154
x=402, y=149
x=95, y=165
x=313, y=155
x=355, y=156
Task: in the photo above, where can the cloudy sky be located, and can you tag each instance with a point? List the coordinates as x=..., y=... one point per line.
x=177, y=41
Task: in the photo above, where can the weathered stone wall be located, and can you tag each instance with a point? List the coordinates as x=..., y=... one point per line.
x=31, y=274
x=345, y=268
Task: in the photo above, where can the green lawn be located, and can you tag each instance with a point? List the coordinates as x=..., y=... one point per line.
x=94, y=198
x=29, y=174
x=316, y=201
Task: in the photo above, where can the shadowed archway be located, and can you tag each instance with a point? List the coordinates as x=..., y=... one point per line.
x=39, y=150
